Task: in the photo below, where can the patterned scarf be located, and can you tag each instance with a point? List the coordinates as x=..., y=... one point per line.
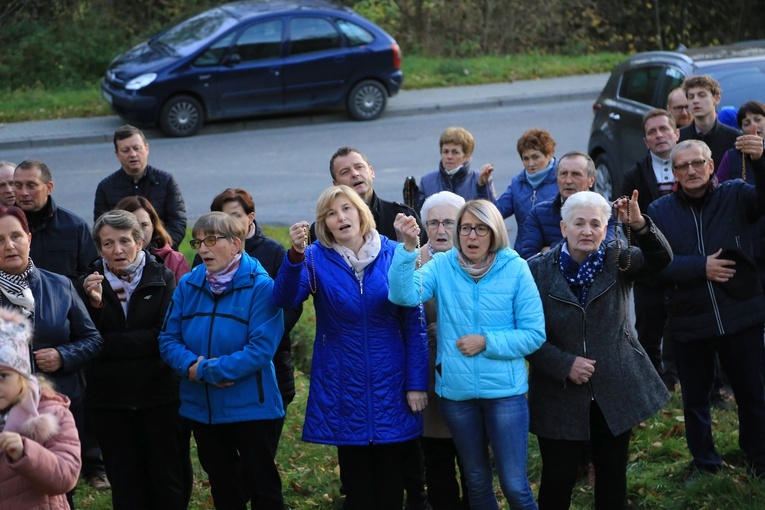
x=15, y=287
x=124, y=281
x=219, y=281
x=580, y=277
x=479, y=270
x=367, y=253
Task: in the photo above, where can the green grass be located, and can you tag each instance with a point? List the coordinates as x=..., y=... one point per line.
x=658, y=467
x=419, y=72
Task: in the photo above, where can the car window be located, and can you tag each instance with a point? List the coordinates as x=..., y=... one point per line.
x=740, y=83
x=673, y=78
x=213, y=54
x=260, y=41
x=308, y=35
x=355, y=34
x=193, y=34
x=639, y=84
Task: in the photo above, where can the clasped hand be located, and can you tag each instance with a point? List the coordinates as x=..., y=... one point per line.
x=409, y=229
x=194, y=374
x=299, y=235
x=629, y=211
x=582, y=370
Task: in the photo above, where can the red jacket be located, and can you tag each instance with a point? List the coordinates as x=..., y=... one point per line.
x=50, y=465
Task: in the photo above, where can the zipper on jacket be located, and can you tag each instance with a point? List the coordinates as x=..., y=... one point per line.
x=699, y=222
x=533, y=197
x=584, y=335
x=209, y=348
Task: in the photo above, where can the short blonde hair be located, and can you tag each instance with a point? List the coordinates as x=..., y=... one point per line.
x=458, y=136
x=488, y=214
x=220, y=224
x=324, y=204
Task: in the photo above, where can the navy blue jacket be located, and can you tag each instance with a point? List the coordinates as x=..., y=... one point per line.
x=62, y=243
x=367, y=353
x=520, y=197
x=698, y=308
x=61, y=322
x=542, y=228
x=719, y=139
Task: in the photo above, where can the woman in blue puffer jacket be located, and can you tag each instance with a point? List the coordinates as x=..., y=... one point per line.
x=489, y=318
x=369, y=376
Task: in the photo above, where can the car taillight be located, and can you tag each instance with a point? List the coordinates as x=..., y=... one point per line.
x=396, y=55
x=596, y=107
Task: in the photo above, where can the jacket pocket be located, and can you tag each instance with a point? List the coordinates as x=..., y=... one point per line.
x=261, y=392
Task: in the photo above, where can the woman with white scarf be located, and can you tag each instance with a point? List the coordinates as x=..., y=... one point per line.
x=132, y=395
x=369, y=371
x=64, y=338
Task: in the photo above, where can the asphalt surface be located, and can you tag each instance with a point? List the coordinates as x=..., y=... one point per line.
x=49, y=133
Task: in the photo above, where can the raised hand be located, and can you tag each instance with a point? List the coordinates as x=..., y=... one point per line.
x=299, y=234
x=409, y=229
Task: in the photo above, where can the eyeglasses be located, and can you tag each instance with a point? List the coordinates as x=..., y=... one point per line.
x=680, y=108
x=697, y=164
x=480, y=230
x=434, y=224
x=209, y=241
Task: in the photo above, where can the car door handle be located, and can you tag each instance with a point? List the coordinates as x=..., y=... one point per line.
x=614, y=116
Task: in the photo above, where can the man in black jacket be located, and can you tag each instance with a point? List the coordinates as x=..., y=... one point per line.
x=137, y=177
x=704, y=94
x=714, y=299
x=652, y=177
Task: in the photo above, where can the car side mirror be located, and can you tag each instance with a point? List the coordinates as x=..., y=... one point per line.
x=232, y=60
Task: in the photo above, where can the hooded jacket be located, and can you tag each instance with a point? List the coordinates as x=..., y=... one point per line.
x=237, y=332
x=503, y=306
x=367, y=353
x=50, y=466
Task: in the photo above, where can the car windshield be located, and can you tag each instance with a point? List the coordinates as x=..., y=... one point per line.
x=740, y=81
x=188, y=36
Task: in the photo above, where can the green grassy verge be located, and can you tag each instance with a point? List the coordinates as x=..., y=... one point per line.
x=419, y=72
x=658, y=469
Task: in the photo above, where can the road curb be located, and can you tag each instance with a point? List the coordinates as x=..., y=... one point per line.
x=33, y=142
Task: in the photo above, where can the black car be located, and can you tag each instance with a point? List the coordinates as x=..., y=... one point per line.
x=255, y=57
x=644, y=81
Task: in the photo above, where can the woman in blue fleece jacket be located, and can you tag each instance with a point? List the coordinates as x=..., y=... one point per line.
x=489, y=318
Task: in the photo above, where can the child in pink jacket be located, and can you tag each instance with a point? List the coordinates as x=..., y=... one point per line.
x=39, y=446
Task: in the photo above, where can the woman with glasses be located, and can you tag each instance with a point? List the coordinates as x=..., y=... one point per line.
x=537, y=183
x=132, y=395
x=591, y=381
x=489, y=318
x=220, y=334
x=369, y=371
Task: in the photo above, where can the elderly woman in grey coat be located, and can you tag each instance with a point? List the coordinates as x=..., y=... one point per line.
x=591, y=382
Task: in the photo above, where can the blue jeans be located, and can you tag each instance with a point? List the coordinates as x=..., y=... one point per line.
x=503, y=423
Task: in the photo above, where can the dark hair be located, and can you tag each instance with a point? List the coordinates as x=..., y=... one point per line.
x=341, y=152
x=132, y=203
x=17, y=213
x=238, y=195
x=591, y=170
x=703, y=82
x=658, y=112
x=127, y=131
x=753, y=107
x=29, y=164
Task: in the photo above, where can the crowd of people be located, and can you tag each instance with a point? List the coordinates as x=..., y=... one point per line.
x=438, y=347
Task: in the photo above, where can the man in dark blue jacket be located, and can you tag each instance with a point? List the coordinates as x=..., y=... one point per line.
x=714, y=300
x=576, y=172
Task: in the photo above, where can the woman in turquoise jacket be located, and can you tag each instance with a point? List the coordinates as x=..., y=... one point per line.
x=220, y=334
x=489, y=318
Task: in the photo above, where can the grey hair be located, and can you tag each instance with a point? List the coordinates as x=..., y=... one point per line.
x=487, y=213
x=687, y=144
x=220, y=224
x=584, y=199
x=118, y=220
x=591, y=170
x=439, y=199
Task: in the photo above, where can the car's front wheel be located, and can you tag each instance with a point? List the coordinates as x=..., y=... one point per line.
x=367, y=100
x=181, y=116
x=603, y=181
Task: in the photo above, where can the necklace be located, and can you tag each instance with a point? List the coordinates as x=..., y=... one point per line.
x=616, y=233
x=310, y=268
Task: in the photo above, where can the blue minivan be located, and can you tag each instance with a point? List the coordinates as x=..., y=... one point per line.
x=255, y=57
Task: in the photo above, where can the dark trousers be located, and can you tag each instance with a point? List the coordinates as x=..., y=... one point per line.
x=413, y=471
x=742, y=356
x=239, y=460
x=371, y=476
x=441, y=474
x=561, y=460
x=650, y=322
x=146, y=454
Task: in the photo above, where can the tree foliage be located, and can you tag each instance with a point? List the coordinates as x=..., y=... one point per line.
x=60, y=43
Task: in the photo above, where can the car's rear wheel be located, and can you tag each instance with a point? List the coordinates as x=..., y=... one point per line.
x=181, y=116
x=367, y=100
x=603, y=180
